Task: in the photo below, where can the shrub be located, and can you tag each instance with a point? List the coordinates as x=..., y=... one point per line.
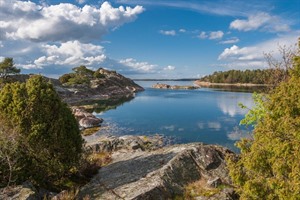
x=49, y=142
x=269, y=165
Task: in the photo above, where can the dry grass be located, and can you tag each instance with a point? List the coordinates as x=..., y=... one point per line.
x=90, y=131
x=199, y=188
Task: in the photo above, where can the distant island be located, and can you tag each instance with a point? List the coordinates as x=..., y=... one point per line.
x=174, y=87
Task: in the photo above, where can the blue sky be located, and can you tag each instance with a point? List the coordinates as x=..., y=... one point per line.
x=146, y=38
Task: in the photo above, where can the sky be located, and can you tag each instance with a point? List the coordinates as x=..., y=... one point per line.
x=146, y=38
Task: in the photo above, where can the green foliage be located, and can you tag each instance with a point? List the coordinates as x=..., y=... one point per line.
x=49, y=141
x=9, y=155
x=255, y=114
x=81, y=75
x=269, y=165
x=248, y=76
x=82, y=70
x=97, y=74
x=7, y=67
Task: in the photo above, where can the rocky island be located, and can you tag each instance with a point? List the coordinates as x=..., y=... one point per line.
x=174, y=87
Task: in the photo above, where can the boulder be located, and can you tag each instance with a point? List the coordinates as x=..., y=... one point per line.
x=89, y=122
x=158, y=174
x=26, y=191
x=80, y=113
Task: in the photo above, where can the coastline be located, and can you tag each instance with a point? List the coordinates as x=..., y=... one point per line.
x=206, y=84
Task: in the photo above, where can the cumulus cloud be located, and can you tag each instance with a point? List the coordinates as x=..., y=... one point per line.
x=71, y=53
x=203, y=35
x=216, y=35
x=230, y=41
x=81, y=1
x=61, y=22
x=168, y=32
x=182, y=30
x=253, y=56
x=170, y=68
x=140, y=66
x=213, y=35
x=260, y=20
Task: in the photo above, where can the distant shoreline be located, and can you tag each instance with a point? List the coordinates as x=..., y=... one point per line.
x=182, y=79
x=205, y=84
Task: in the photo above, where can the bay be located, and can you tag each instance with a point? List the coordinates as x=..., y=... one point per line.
x=204, y=115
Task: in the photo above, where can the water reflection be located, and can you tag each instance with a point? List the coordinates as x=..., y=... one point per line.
x=237, y=134
x=203, y=115
x=228, y=103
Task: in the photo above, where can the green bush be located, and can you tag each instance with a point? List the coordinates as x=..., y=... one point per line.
x=48, y=138
x=269, y=165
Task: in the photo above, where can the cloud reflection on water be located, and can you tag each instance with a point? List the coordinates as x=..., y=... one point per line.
x=228, y=103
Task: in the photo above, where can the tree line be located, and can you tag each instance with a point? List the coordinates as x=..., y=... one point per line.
x=257, y=76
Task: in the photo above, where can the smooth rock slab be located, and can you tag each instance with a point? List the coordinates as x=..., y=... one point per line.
x=159, y=174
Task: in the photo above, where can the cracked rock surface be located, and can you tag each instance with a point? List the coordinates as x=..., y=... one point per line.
x=158, y=174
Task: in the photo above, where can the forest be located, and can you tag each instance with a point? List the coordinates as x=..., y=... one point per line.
x=257, y=76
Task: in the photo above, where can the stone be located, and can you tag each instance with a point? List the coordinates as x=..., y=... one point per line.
x=215, y=182
x=89, y=122
x=26, y=191
x=158, y=174
x=126, y=142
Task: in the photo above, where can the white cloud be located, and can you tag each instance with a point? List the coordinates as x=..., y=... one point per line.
x=214, y=35
x=169, y=32
x=61, y=22
x=71, y=53
x=81, y=1
x=253, y=56
x=203, y=35
x=182, y=30
x=260, y=20
x=170, y=68
x=230, y=41
x=140, y=66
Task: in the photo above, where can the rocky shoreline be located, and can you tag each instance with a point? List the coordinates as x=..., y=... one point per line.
x=143, y=168
x=174, y=87
x=207, y=84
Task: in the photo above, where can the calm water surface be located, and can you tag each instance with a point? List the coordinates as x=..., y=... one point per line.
x=202, y=115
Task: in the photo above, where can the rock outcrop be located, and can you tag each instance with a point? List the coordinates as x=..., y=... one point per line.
x=126, y=143
x=26, y=191
x=86, y=119
x=110, y=85
x=174, y=87
x=159, y=174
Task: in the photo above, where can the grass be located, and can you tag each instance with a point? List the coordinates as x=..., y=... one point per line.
x=90, y=131
x=199, y=188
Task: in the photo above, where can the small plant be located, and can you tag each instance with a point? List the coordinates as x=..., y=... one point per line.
x=90, y=131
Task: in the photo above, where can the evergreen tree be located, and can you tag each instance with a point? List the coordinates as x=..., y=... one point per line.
x=7, y=67
x=269, y=165
x=49, y=140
